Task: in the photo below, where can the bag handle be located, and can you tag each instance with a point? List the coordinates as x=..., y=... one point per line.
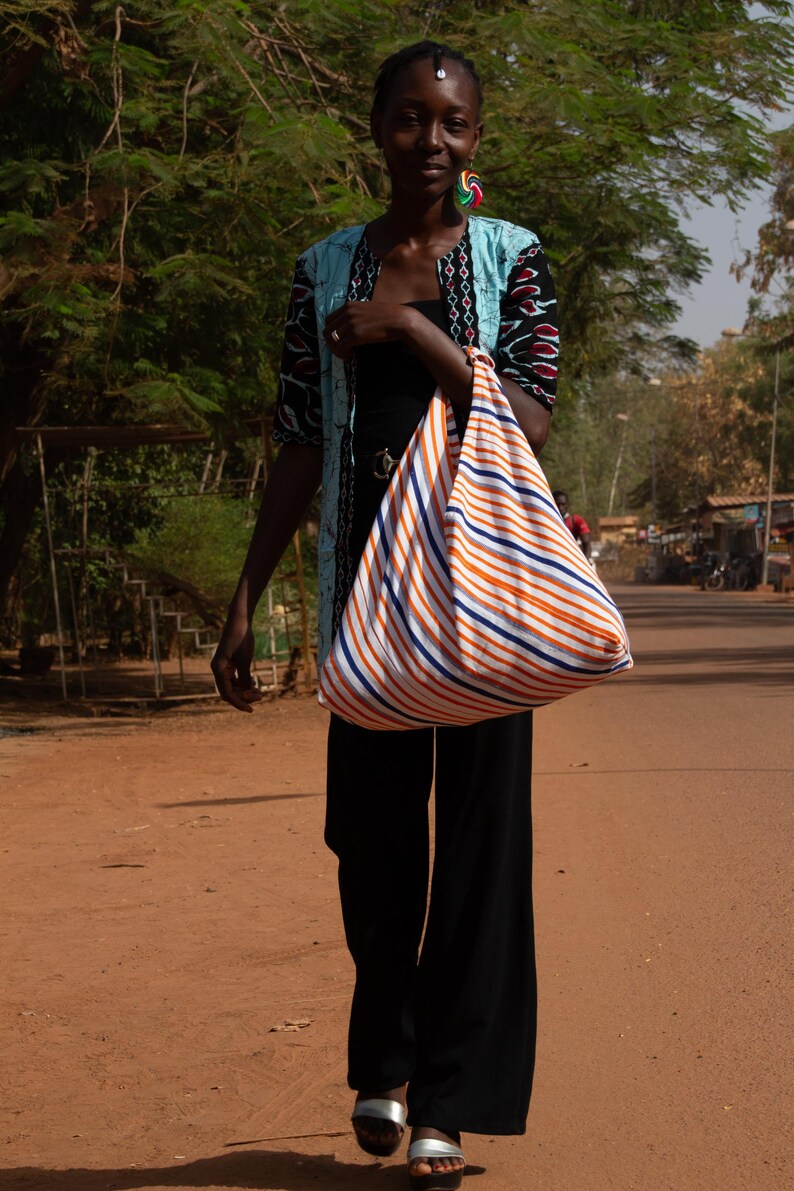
x=476, y=353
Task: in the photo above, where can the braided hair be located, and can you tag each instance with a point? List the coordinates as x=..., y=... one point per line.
x=391, y=68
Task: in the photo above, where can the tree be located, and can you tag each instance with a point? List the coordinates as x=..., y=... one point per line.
x=163, y=165
x=690, y=433
x=770, y=317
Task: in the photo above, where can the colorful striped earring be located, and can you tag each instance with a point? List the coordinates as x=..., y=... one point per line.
x=468, y=189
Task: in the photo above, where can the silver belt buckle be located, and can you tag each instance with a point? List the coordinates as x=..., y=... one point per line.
x=386, y=462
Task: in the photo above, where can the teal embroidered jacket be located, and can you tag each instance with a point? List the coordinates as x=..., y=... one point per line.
x=498, y=295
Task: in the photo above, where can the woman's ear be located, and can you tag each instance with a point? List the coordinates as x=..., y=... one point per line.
x=477, y=138
x=375, y=122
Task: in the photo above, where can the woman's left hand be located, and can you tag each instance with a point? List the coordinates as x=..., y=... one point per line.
x=357, y=323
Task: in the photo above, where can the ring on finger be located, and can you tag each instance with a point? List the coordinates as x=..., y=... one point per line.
x=335, y=335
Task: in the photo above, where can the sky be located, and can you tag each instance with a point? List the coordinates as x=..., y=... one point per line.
x=720, y=301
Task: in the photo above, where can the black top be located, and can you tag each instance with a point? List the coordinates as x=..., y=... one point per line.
x=393, y=391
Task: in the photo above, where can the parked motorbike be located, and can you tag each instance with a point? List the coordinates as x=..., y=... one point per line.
x=710, y=562
x=734, y=574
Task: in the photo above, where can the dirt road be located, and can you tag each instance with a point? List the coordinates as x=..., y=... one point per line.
x=176, y=982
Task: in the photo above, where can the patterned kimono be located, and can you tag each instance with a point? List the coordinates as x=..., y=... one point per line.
x=498, y=295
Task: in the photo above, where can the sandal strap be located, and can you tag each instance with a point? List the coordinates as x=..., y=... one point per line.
x=429, y=1147
x=382, y=1110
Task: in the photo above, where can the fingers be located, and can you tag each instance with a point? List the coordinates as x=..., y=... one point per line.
x=343, y=331
x=357, y=323
x=229, y=688
x=334, y=333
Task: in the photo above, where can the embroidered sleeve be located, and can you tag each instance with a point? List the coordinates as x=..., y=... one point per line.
x=528, y=337
x=298, y=417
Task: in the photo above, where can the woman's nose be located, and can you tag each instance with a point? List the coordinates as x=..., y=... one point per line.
x=431, y=136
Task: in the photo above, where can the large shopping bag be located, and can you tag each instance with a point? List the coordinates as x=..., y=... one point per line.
x=472, y=598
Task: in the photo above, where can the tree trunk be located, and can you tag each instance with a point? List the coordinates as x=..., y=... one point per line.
x=24, y=401
x=19, y=499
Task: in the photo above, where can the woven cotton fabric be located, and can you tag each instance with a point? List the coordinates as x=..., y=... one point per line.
x=472, y=599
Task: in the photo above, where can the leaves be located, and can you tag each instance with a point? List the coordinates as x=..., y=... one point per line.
x=162, y=169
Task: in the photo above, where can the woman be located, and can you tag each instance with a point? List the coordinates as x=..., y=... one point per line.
x=379, y=317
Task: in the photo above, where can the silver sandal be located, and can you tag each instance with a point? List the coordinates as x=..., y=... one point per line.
x=440, y=1180
x=380, y=1110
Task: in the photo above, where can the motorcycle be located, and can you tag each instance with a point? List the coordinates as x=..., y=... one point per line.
x=734, y=574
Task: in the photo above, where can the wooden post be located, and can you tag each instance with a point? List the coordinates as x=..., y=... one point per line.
x=78, y=636
x=206, y=472
x=53, y=572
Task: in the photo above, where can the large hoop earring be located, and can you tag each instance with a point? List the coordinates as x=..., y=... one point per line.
x=382, y=170
x=468, y=189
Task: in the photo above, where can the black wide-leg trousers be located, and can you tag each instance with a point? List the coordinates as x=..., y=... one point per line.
x=457, y=1020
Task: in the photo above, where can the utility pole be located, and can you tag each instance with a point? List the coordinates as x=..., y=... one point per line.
x=624, y=418
x=771, y=482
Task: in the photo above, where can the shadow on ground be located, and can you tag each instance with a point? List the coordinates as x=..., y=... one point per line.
x=253, y=1170
x=762, y=665
x=697, y=609
x=238, y=801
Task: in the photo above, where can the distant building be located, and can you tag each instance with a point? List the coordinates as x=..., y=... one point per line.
x=734, y=524
x=620, y=530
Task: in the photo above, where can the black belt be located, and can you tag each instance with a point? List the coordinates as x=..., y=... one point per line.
x=380, y=464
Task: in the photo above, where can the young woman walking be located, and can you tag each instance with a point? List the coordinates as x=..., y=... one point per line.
x=442, y=1027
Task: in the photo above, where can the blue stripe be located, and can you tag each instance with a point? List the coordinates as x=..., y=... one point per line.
x=478, y=407
x=367, y=684
x=579, y=580
x=435, y=532
x=452, y=678
x=524, y=645
x=509, y=483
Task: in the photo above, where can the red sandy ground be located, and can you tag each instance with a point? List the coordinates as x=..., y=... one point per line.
x=169, y=903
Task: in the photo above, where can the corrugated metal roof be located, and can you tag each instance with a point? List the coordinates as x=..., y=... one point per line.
x=735, y=502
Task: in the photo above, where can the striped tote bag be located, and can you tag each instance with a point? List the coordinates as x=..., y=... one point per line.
x=472, y=599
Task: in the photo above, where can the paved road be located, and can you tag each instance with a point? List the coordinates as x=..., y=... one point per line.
x=667, y=798
x=172, y=902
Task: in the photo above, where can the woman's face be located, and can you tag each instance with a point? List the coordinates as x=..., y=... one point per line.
x=429, y=129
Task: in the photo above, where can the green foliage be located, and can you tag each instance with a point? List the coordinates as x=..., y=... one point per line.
x=698, y=432
x=202, y=539
x=162, y=166
x=170, y=166
x=122, y=505
x=769, y=327
x=773, y=257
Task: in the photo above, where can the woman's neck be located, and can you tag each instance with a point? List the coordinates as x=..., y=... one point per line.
x=407, y=222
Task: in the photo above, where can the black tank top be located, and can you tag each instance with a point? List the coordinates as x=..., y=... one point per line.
x=393, y=391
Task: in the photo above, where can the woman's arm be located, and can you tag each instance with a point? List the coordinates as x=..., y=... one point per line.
x=293, y=481
x=526, y=352
x=449, y=365
x=357, y=323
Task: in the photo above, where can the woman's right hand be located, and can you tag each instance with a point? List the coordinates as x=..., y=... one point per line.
x=231, y=663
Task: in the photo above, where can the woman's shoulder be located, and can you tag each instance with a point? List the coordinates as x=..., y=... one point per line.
x=343, y=241
x=501, y=236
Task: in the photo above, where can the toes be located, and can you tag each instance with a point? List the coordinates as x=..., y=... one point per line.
x=423, y=1166
x=375, y=1132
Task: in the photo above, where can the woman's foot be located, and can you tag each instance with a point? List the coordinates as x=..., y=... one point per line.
x=431, y=1170
x=380, y=1130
